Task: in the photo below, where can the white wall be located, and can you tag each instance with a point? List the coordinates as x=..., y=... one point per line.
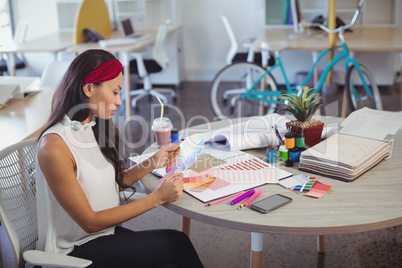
x=205, y=40
x=41, y=15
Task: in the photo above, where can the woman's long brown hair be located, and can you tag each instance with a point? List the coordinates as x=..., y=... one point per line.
x=69, y=99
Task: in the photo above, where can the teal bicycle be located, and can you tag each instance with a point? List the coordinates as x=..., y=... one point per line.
x=247, y=89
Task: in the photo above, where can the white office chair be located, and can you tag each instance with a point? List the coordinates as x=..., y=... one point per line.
x=234, y=55
x=53, y=72
x=145, y=67
x=18, y=208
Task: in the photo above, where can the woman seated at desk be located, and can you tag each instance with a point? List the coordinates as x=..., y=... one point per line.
x=80, y=173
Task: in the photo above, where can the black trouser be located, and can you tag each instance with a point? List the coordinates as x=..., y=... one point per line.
x=126, y=248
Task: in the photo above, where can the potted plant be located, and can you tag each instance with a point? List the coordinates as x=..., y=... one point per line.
x=303, y=109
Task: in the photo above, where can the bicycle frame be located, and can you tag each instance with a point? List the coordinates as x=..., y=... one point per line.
x=255, y=94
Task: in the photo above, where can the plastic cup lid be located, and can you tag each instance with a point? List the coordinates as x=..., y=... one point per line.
x=165, y=124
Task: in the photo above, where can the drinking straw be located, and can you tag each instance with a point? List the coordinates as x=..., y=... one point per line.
x=162, y=107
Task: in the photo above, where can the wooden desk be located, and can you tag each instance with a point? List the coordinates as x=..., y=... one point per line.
x=52, y=43
x=362, y=39
x=353, y=207
x=24, y=118
x=124, y=55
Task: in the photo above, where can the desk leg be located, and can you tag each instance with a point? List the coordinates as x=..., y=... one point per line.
x=11, y=59
x=344, y=111
x=257, y=243
x=185, y=225
x=400, y=75
x=321, y=244
x=124, y=59
x=316, y=76
x=316, y=73
x=128, y=87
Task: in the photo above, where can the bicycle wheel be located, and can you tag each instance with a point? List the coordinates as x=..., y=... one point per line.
x=234, y=80
x=356, y=93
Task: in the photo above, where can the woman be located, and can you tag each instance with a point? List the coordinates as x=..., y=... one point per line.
x=80, y=174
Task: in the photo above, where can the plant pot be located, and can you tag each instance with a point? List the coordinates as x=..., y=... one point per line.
x=312, y=134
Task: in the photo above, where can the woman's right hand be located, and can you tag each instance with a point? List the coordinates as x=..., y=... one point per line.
x=170, y=189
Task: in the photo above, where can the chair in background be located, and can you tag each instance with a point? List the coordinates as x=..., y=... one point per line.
x=145, y=67
x=18, y=210
x=234, y=55
x=92, y=14
x=19, y=38
x=52, y=73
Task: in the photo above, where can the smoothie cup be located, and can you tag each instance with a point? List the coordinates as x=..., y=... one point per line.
x=162, y=128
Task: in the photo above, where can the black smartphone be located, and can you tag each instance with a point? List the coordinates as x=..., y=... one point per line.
x=271, y=203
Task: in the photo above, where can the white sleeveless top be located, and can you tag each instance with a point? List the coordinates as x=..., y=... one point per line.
x=57, y=231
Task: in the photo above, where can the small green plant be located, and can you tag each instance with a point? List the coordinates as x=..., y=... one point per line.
x=302, y=108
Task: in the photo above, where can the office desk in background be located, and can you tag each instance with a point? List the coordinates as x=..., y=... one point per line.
x=361, y=39
x=353, y=207
x=123, y=54
x=51, y=43
x=24, y=118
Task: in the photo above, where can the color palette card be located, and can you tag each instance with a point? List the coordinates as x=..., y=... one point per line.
x=294, y=181
x=186, y=154
x=252, y=170
x=318, y=190
x=196, y=180
x=252, y=164
x=266, y=175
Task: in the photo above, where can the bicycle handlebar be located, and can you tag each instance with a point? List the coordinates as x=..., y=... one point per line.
x=340, y=28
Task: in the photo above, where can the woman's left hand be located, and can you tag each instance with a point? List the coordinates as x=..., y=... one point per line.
x=161, y=157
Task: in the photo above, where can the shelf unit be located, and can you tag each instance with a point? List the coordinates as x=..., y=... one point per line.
x=374, y=13
x=143, y=13
x=147, y=13
x=67, y=10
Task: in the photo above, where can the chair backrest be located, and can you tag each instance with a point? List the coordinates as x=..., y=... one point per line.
x=21, y=32
x=91, y=14
x=233, y=41
x=18, y=197
x=159, y=51
x=53, y=72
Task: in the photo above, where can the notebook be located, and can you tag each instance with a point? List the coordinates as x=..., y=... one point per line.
x=18, y=88
x=128, y=30
x=7, y=92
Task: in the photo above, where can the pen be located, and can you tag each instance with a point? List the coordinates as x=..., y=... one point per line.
x=242, y=197
x=278, y=135
x=223, y=199
x=253, y=197
x=242, y=205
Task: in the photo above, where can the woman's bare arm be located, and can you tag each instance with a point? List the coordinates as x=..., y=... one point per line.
x=58, y=166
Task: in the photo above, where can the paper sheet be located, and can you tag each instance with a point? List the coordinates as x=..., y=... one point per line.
x=372, y=124
x=256, y=132
x=293, y=181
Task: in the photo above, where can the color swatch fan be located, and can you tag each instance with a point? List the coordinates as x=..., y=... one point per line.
x=186, y=155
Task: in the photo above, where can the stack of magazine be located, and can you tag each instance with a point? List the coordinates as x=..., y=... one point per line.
x=344, y=157
x=365, y=139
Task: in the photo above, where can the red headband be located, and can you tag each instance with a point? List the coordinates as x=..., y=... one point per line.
x=106, y=71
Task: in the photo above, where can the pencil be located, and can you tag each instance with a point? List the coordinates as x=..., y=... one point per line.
x=242, y=205
x=223, y=199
